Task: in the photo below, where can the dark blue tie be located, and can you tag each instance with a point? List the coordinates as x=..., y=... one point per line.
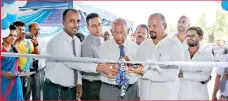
x=121, y=78
x=122, y=53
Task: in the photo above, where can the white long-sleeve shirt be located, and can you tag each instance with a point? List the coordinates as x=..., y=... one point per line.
x=62, y=72
x=191, y=87
x=164, y=86
x=197, y=73
x=110, y=50
x=166, y=50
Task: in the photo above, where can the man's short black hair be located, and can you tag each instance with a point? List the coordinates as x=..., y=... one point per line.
x=143, y=26
x=19, y=23
x=12, y=27
x=198, y=30
x=91, y=16
x=67, y=10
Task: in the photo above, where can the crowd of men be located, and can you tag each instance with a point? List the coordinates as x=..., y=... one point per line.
x=60, y=80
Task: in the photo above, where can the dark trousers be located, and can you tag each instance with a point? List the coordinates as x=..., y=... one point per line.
x=223, y=98
x=112, y=92
x=91, y=90
x=34, y=84
x=26, y=83
x=57, y=92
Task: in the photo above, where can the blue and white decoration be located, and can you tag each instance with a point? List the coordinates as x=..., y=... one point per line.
x=9, y=14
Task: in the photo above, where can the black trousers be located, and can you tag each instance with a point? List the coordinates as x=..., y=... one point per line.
x=33, y=84
x=57, y=92
x=26, y=87
x=91, y=90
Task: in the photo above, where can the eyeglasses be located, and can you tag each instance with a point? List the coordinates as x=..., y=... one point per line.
x=37, y=29
x=192, y=36
x=98, y=25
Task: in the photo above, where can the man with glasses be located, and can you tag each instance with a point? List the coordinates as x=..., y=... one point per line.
x=193, y=79
x=37, y=66
x=91, y=81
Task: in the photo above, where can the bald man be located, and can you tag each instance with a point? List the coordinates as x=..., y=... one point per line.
x=37, y=79
x=219, y=49
x=158, y=85
x=106, y=35
x=182, y=25
x=114, y=49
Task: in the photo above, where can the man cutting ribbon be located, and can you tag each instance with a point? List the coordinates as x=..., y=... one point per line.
x=124, y=86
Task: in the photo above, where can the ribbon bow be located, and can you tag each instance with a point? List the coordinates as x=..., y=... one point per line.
x=152, y=66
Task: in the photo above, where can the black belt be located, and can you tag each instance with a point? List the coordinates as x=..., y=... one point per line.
x=58, y=86
x=224, y=96
x=36, y=70
x=94, y=81
x=130, y=85
x=35, y=64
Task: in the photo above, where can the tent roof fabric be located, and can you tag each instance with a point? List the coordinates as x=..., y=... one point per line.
x=52, y=4
x=58, y=6
x=104, y=14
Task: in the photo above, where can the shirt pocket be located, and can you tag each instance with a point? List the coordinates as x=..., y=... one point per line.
x=164, y=58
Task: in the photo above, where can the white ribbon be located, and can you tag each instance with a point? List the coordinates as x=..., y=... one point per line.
x=152, y=66
x=95, y=60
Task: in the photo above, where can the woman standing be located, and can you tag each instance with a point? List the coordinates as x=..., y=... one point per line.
x=11, y=83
